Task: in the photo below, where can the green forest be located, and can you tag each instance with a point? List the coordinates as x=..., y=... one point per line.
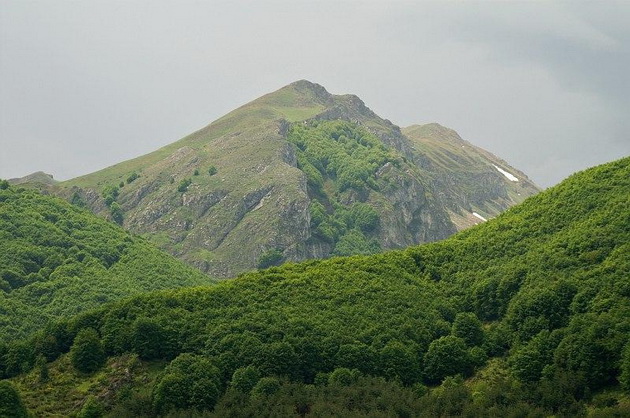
x=340, y=160
x=525, y=315
x=57, y=260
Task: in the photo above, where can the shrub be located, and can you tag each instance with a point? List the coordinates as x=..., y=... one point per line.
x=183, y=185
x=270, y=258
x=132, y=177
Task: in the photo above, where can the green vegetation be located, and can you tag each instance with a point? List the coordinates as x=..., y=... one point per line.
x=11, y=405
x=339, y=150
x=532, y=308
x=270, y=258
x=183, y=185
x=57, y=260
x=212, y=170
x=132, y=177
x=86, y=353
x=345, y=158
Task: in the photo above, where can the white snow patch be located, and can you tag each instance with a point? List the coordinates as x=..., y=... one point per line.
x=506, y=174
x=479, y=216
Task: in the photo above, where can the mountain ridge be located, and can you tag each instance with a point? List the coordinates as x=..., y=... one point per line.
x=259, y=184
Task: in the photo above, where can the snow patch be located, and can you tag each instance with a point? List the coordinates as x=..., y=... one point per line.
x=479, y=216
x=505, y=173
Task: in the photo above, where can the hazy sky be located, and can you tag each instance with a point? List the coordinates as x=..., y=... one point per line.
x=86, y=84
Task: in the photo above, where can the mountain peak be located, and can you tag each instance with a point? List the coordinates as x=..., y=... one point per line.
x=311, y=89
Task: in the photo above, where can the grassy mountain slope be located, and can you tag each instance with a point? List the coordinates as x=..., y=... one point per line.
x=58, y=260
x=533, y=306
x=239, y=193
x=468, y=177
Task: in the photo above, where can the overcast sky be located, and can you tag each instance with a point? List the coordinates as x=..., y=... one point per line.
x=86, y=84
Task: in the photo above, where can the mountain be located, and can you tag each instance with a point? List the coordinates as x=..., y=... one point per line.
x=532, y=308
x=58, y=260
x=466, y=175
x=298, y=174
x=39, y=177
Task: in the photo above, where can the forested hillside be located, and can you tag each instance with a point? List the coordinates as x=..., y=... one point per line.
x=57, y=260
x=525, y=315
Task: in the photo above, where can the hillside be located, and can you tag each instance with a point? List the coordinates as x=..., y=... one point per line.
x=470, y=179
x=284, y=178
x=532, y=308
x=57, y=260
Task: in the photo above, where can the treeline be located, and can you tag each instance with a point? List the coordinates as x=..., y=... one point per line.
x=533, y=307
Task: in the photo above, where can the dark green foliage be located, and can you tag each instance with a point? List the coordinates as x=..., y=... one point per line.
x=77, y=200
x=556, y=335
x=245, y=378
x=339, y=149
x=42, y=365
x=132, y=177
x=149, y=339
x=86, y=354
x=183, y=185
x=4, y=184
x=110, y=194
x=400, y=361
x=468, y=327
x=212, y=170
x=58, y=260
x=270, y=258
x=343, y=376
x=354, y=242
x=188, y=382
x=92, y=408
x=196, y=172
x=346, y=157
x=266, y=386
x=116, y=212
x=447, y=356
x=364, y=217
x=11, y=405
x=624, y=378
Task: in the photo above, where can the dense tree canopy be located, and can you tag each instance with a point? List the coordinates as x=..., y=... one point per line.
x=553, y=273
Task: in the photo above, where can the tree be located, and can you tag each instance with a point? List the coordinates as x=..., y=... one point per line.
x=468, y=327
x=189, y=382
x=266, y=386
x=11, y=405
x=148, y=338
x=86, y=353
x=116, y=212
x=398, y=361
x=212, y=170
x=343, y=376
x=183, y=185
x=132, y=177
x=447, y=356
x=270, y=258
x=245, y=378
